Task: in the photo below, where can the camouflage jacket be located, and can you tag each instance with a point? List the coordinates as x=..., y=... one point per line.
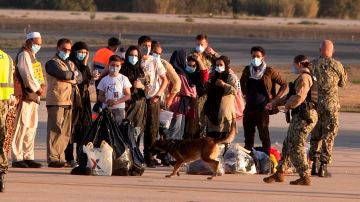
x=207, y=59
x=330, y=75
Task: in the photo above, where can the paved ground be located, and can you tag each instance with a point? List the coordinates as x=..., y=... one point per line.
x=278, y=52
x=47, y=184
x=151, y=17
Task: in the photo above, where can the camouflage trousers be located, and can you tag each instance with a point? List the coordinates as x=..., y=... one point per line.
x=294, y=145
x=201, y=113
x=3, y=154
x=323, y=135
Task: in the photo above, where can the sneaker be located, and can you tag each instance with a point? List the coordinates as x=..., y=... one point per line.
x=156, y=162
x=72, y=164
x=165, y=163
x=33, y=164
x=19, y=164
x=56, y=164
x=150, y=163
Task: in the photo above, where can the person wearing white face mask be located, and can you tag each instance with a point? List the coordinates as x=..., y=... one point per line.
x=171, y=74
x=220, y=103
x=155, y=84
x=258, y=85
x=62, y=77
x=114, y=89
x=29, y=86
x=206, y=53
x=100, y=64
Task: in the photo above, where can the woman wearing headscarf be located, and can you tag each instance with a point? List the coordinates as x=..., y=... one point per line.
x=193, y=75
x=136, y=106
x=81, y=108
x=220, y=104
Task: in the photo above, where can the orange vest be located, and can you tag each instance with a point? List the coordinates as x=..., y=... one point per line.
x=101, y=58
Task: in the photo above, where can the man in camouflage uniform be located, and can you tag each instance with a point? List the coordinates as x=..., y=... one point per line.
x=298, y=99
x=330, y=75
x=6, y=99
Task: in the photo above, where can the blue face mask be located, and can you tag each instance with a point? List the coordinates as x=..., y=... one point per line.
x=145, y=50
x=133, y=59
x=35, y=48
x=80, y=56
x=256, y=62
x=295, y=70
x=63, y=55
x=190, y=69
x=156, y=56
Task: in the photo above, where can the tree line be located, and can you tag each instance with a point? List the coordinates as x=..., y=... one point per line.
x=278, y=8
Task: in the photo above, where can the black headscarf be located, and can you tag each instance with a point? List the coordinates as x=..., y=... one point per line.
x=84, y=69
x=133, y=72
x=215, y=93
x=178, y=61
x=76, y=47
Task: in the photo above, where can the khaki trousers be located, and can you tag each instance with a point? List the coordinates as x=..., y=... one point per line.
x=58, y=132
x=22, y=147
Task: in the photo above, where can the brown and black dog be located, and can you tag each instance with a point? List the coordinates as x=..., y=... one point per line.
x=185, y=151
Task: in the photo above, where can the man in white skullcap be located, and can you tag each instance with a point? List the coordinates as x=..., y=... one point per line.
x=29, y=86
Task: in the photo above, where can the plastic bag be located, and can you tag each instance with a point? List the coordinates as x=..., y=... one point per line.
x=165, y=118
x=238, y=160
x=262, y=161
x=106, y=128
x=129, y=136
x=122, y=164
x=200, y=167
x=99, y=159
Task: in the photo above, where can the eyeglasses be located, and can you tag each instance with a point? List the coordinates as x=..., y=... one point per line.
x=193, y=66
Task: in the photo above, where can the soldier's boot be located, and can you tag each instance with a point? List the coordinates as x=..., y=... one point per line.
x=277, y=177
x=323, y=171
x=2, y=182
x=314, y=168
x=302, y=181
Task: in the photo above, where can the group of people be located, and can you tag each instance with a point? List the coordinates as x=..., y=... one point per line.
x=199, y=87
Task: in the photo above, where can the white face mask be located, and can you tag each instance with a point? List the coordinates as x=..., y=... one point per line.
x=113, y=70
x=256, y=62
x=219, y=68
x=199, y=49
